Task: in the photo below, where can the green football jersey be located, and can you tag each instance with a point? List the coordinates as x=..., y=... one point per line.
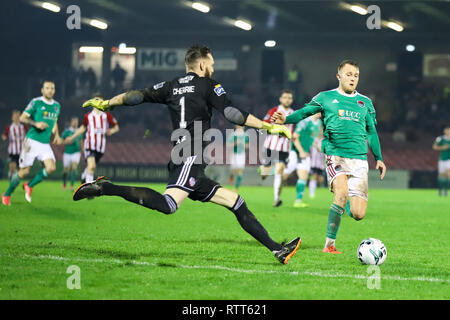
x=42, y=111
x=238, y=139
x=75, y=146
x=442, y=141
x=348, y=120
x=308, y=129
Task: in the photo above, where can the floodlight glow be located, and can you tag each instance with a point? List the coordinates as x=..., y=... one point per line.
x=98, y=24
x=201, y=7
x=410, y=48
x=243, y=25
x=358, y=9
x=270, y=43
x=395, y=26
x=127, y=50
x=87, y=49
x=50, y=6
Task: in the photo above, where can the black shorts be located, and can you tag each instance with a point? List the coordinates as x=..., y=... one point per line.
x=191, y=178
x=14, y=158
x=92, y=153
x=282, y=157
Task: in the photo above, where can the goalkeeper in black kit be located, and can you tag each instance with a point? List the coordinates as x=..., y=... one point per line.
x=190, y=99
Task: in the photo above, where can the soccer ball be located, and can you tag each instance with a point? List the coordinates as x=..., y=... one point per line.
x=371, y=251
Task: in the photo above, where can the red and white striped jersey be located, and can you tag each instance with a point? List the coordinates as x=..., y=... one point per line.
x=276, y=142
x=16, y=133
x=96, y=125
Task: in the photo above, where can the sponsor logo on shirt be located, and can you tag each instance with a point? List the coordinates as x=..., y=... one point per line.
x=158, y=85
x=219, y=90
x=185, y=79
x=349, y=115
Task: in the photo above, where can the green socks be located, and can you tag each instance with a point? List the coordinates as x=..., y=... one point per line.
x=301, y=184
x=72, y=177
x=347, y=209
x=443, y=185
x=38, y=178
x=15, y=180
x=334, y=220
x=237, y=181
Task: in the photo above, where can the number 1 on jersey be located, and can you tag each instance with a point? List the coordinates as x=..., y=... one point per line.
x=182, y=112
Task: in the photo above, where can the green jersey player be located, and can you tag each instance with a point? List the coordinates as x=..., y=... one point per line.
x=349, y=121
x=41, y=115
x=442, y=144
x=302, y=140
x=237, y=142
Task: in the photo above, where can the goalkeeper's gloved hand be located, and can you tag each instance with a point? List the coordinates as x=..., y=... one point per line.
x=273, y=128
x=97, y=103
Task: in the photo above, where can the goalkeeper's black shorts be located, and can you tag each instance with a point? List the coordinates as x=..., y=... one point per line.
x=191, y=178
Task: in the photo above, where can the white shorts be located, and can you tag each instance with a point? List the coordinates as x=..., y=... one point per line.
x=69, y=158
x=238, y=161
x=31, y=150
x=443, y=166
x=304, y=164
x=357, y=171
x=292, y=163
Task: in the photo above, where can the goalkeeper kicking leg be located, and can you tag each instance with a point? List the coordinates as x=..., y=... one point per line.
x=206, y=190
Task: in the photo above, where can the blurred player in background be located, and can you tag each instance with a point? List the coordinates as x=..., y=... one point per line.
x=97, y=125
x=317, y=165
x=277, y=144
x=41, y=115
x=191, y=99
x=72, y=153
x=15, y=133
x=237, y=143
x=442, y=144
x=304, y=134
x=349, y=123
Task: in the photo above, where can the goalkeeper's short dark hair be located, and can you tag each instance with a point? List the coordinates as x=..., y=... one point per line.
x=350, y=62
x=196, y=52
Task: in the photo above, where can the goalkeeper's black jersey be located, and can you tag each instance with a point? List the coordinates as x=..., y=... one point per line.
x=190, y=99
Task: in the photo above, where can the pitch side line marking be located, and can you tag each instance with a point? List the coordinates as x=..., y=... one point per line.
x=294, y=273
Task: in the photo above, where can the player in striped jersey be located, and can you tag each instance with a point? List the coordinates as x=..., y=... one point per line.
x=279, y=145
x=15, y=133
x=97, y=125
x=317, y=165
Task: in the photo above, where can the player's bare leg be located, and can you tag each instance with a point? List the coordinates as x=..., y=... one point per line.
x=277, y=182
x=15, y=180
x=249, y=223
x=340, y=190
x=90, y=169
x=12, y=169
x=357, y=208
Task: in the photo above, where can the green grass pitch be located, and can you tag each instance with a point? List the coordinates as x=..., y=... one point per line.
x=125, y=251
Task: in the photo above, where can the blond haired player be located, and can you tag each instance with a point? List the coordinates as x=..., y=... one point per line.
x=349, y=121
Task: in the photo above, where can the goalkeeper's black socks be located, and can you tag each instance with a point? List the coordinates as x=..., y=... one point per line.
x=250, y=224
x=143, y=196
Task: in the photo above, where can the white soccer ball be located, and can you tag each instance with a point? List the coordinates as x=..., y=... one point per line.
x=371, y=251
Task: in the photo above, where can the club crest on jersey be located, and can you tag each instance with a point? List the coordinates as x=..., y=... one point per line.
x=361, y=103
x=158, y=85
x=219, y=90
x=192, y=181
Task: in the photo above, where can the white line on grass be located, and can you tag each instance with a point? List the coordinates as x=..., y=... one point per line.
x=294, y=273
